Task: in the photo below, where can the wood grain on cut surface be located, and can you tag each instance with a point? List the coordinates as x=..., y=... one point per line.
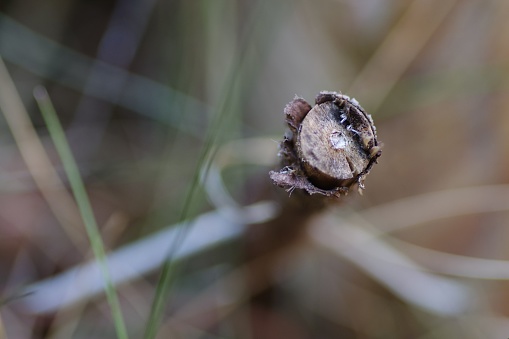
x=330, y=147
x=331, y=154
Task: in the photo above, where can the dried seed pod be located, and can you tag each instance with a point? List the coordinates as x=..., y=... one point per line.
x=332, y=146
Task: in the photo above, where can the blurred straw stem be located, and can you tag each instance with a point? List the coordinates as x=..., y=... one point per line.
x=398, y=50
x=425, y=208
x=38, y=162
x=40, y=166
x=392, y=268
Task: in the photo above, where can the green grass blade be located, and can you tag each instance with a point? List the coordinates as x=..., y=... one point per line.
x=78, y=188
x=235, y=87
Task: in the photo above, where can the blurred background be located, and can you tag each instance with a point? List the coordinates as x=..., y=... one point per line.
x=154, y=95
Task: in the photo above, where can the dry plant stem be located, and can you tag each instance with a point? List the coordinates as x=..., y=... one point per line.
x=329, y=149
x=278, y=236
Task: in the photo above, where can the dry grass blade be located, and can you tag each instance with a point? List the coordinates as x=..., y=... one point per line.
x=455, y=265
x=399, y=48
x=32, y=150
x=392, y=268
x=424, y=208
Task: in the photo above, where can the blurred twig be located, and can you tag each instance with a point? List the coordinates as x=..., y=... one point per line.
x=455, y=265
x=423, y=208
x=426, y=208
x=392, y=268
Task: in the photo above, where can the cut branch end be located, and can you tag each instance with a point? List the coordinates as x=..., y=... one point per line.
x=329, y=148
